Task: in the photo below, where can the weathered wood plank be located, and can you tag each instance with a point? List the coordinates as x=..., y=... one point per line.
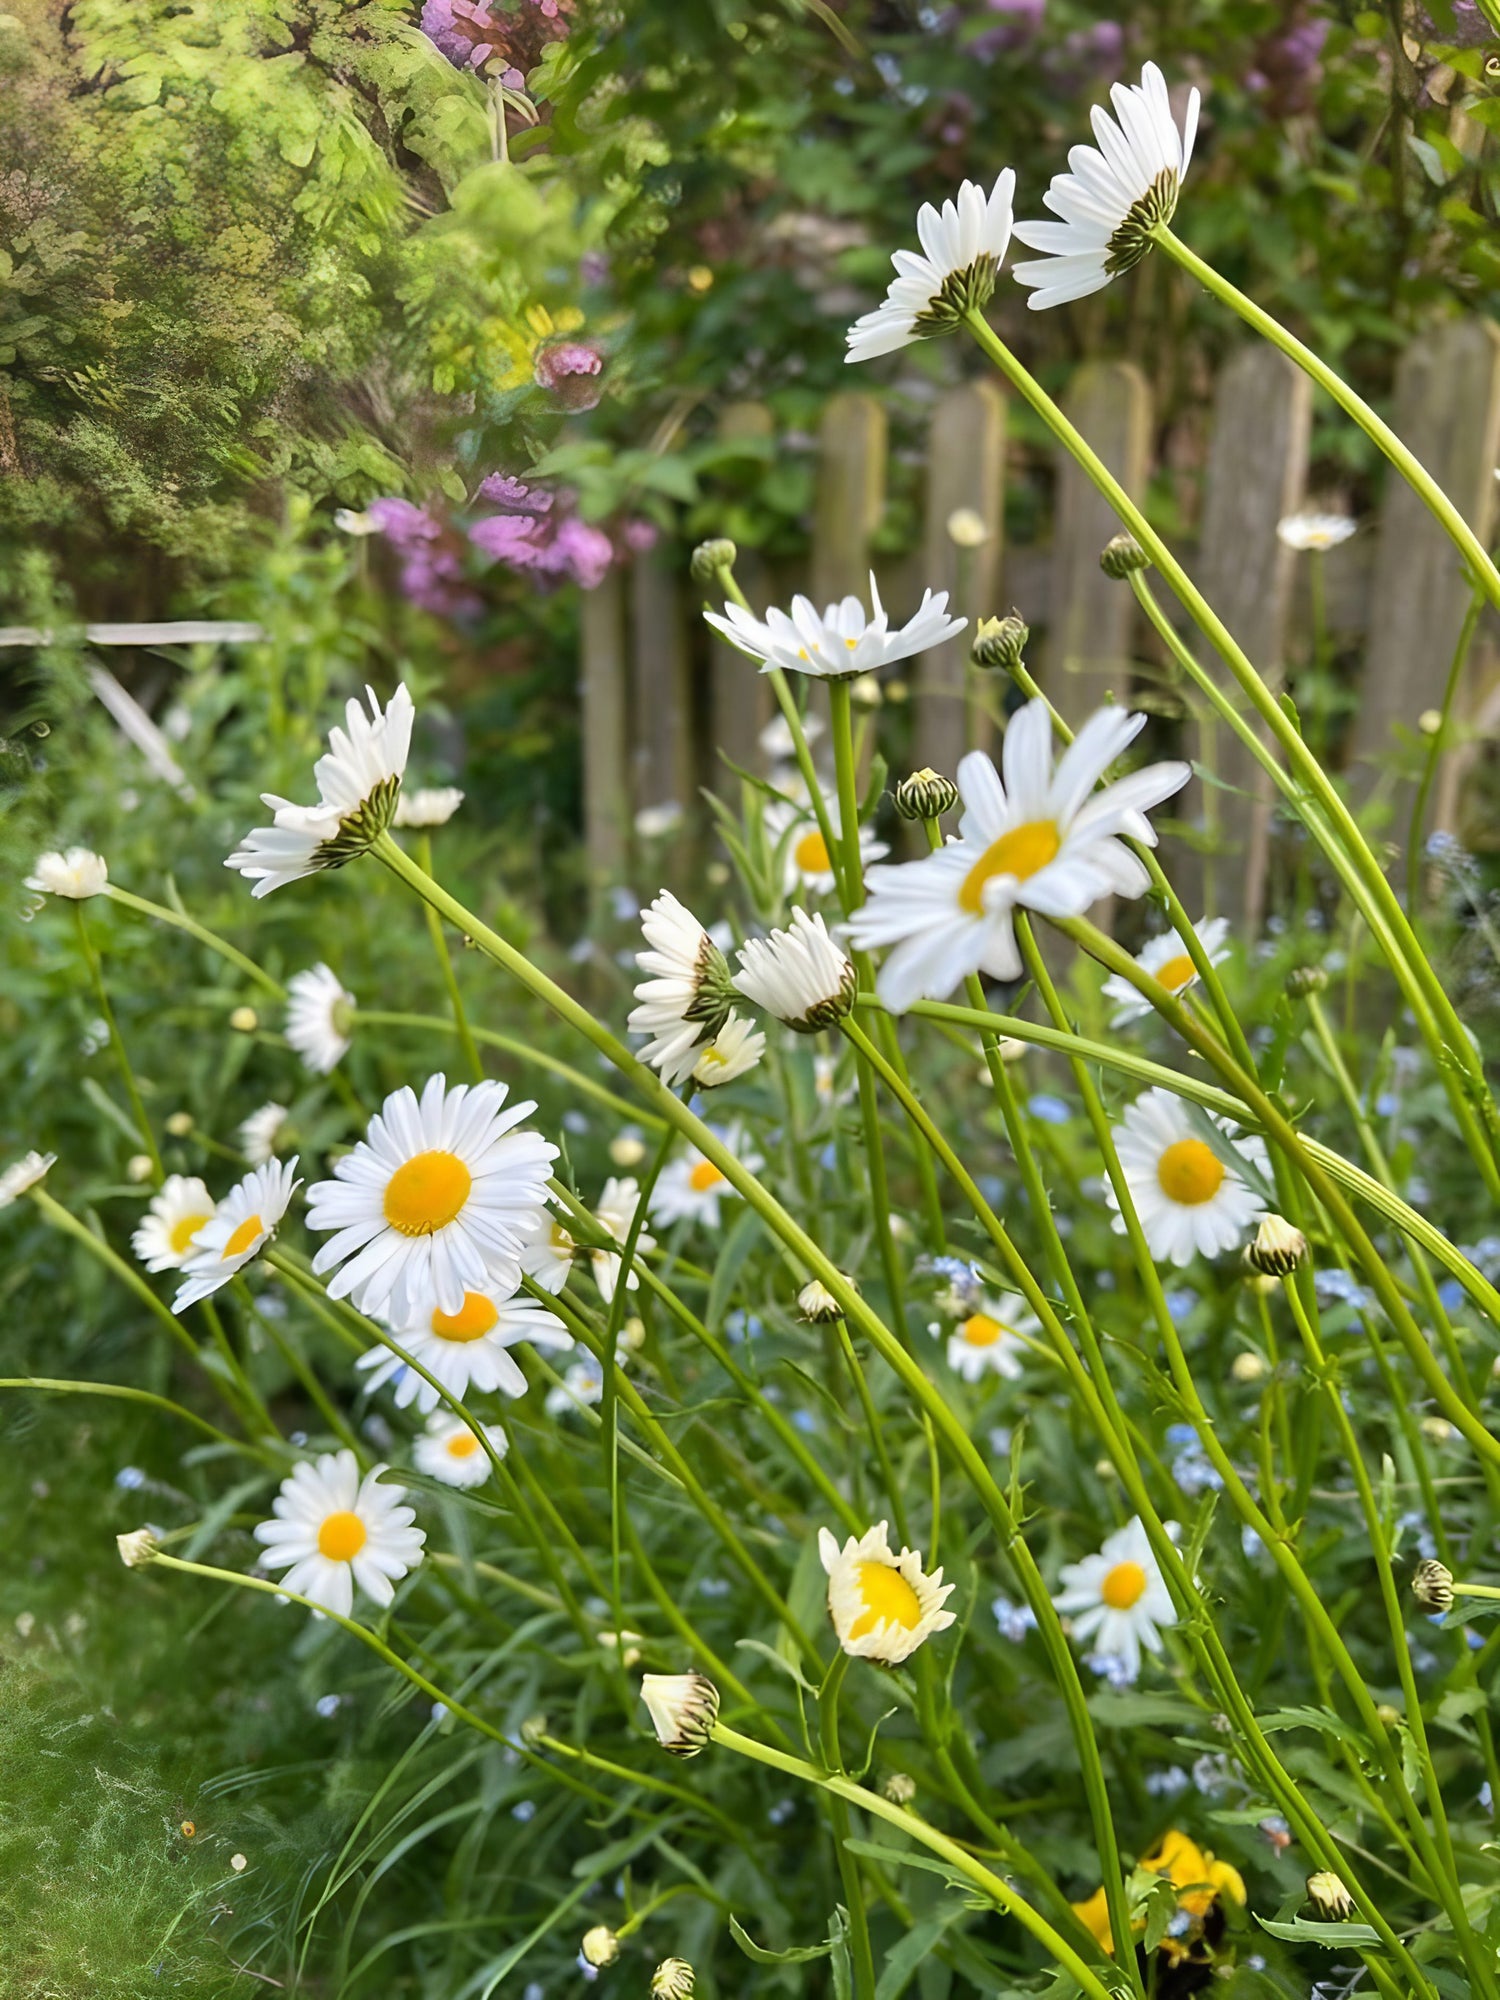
x=850, y=496
x=740, y=703
x=603, y=726
x=662, y=764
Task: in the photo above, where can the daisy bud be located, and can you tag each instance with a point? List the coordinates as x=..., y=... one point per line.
x=1248, y=1366
x=1432, y=1586
x=627, y=1150
x=1305, y=979
x=926, y=794
x=600, y=1946
x=244, y=1020
x=966, y=529
x=137, y=1548
x=180, y=1124
x=138, y=1167
x=1122, y=554
x=533, y=1729
x=1430, y=721
x=1437, y=1429
x=816, y=1303
x=800, y=975
x=900, y=1788
x=238, y=1863
x=1277, y=1248
x=1000, y=642
x=683, y=1709
x=672, y=1980
x=1388, y=1715
x=1328, y=1895
x=709, y=558
x=865, y=691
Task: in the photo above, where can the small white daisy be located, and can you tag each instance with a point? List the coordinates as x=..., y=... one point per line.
x=882, y=1605
x=1116, y=195
x=437, y=1199
x=687, y=994
x=333, y=1530
x=26, y=1173
x=76, y=875
x=1118, y=1598
x=1315, y=532
x=466, y=1349
x=963, y=246
x=799, y=974
x=433, y=805
x=989, y=1339
x=238, y=1230
x=359, y=780
x=448, y=1450
x=792, y=829
x=776, y=739
x=1166, y=959
x=1042, y=840
x=319, y=1018
x=1187, y=1194
x=614, y=1212
x=177, y=1211
x=549, y=1253
x=733, y=1052
x=582, y=1384
x=690, y=1187
x=842, y=643
x=260, y=1134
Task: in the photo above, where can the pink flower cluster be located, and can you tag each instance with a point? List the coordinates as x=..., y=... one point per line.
x=531, y=534
x=475, y=33
x=431, y=567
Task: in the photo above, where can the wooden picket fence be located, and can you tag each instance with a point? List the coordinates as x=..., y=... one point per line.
x=660, y=697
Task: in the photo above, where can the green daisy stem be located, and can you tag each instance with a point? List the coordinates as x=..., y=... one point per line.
x=838, y=1812
x=1459, y=1589
x=117, y=1045
x=1380, y=434
x=64, y=1219
x=1435, y=746
x=147, y=1396
x=445, y=966
x=577, y=1079
x=305, y=1373
x=180, y=921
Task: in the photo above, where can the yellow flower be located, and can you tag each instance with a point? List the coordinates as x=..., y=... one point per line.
x=1193, y=1872
x=1093, y=1914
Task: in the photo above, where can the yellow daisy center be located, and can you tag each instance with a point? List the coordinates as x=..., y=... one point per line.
x=560, y=1240
x=1021, y=853
x=426, y=1192
x=342, y=1536
x=1190, y=1172
x=1124, y=1586
x=811, y=854
x=888, y=1600
x=704, y=1176
x=181, y=1234
x=1177, y=973
x=979, y=1330
x=472, y=1321
x=851, y=644
x=243, y=1237
x=463, y=1444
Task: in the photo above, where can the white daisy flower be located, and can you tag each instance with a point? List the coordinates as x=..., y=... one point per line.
x=1118, y=1598
x=438, y=1199
x=989, y=1339
x=1313, y=531
x=684, y=1001
x=582, y=1384
x=433, y=805
x=448, y=1450
x=776, y=739
x=690, y=1187
x=732, y=1053
x=27, y=1171
x=463, y=1350
x=963, y=246
x=793, y=828
x=333, y=1530
x=1166, y=959
x=319, y=1018
x=881, y=1604
x=1187, y=1194
x=548, y=1256
x=77, y=874
x=842, y=643
x=799, y=974
x=359, y=779
x=1116, y=195
x=238, y=1230
x=614, y=1212
x=1041, y=840
x=177, y=1211
x=260, y=1133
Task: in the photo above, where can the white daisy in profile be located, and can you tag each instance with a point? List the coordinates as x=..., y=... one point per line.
x=1314, y=533
x=76, y=874
x=333, y=1530
x=1187, y=1193
x=176, y=1212
x=686, y=996
x=319, y=1019
x=614, y=1212
x=448, y=1450
x=238, y=1230
x=800, y=975
x=882, y=1605
x=259, y=1135
x=548, y=1256
x=992, y=1338
x=963, y=246
x=438, y=1199
x=468, y=1349
x=1118, y=1598
x=581, y=1387
x=793, y=831
x=359, y=780
x=1041, y=839
x=429, y=806
x=690, y=1187
x=733, y=1052
x=26, y=1173
x=1167, y=960
x=843, y=642
x=1115, y=197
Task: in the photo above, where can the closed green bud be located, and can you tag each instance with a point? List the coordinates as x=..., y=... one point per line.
x=1121, y=555
x=926, y=794
x=1305, y=979
x=1432, y=1586
x=1000, y=642
x=711, y=557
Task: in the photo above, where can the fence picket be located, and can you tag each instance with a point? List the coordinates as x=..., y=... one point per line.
x=662, y=761
x=850, y=496
x=603, y=727
x=739, y=697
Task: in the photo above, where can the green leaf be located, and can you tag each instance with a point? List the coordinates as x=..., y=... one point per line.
x=797, y=1954
x=740, y=1243
x=905, y=1957
x=1300, y=1930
